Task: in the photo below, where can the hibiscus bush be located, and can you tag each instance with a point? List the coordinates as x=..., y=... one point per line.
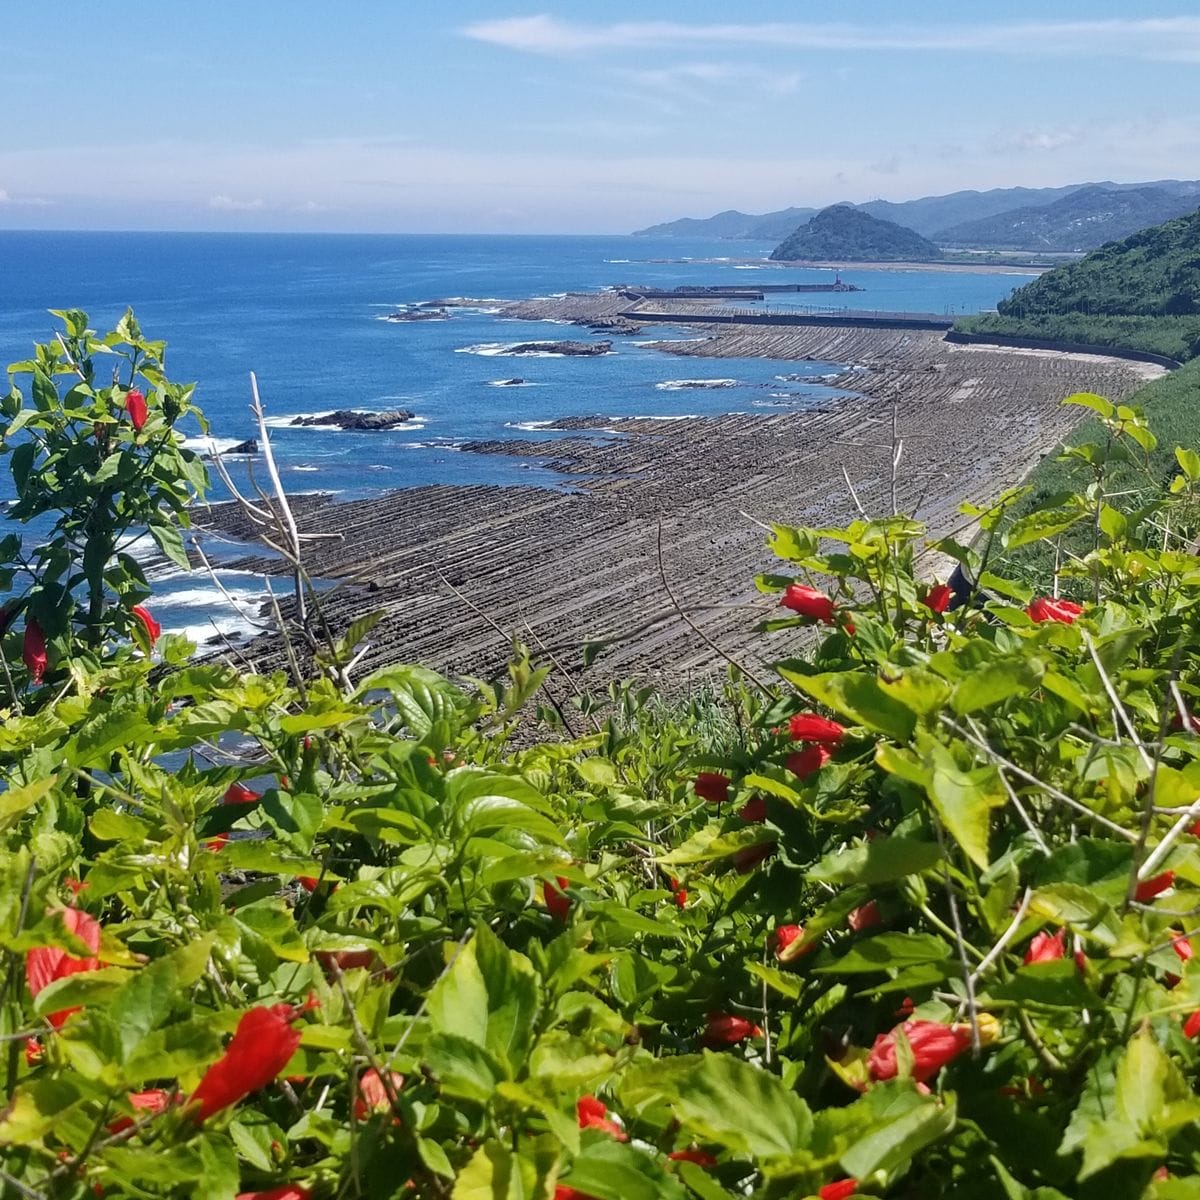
x=919, y=924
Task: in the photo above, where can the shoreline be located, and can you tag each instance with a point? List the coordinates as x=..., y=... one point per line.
x=562, y=568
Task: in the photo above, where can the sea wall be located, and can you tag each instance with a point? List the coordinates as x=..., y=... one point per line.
x=1027, y=343
x=869, y=320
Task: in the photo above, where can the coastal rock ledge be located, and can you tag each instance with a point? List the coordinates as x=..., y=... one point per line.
x=581, y=349
x=349, y=419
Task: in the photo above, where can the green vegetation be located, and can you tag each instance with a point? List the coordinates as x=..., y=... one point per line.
x=1138, y=476
x=911, y=918
x=847, y=234
x=1142, y=293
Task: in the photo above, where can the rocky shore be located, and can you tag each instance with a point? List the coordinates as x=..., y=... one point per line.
x=560, y=569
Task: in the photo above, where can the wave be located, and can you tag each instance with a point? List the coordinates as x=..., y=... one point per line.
x=303, y=467
x=618, y=260
x=511, y=383
x=212, y=445
x=528, y=426
x=679, y=385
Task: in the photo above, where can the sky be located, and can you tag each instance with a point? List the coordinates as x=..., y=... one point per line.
x=459, y=116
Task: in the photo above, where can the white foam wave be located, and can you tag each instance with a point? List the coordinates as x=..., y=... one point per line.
x=679, y=385
x=303, y=467
x=528, y=426
x=211, y=445
x=511, y=383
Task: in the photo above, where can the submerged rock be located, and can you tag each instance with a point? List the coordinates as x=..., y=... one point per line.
x=350, y=419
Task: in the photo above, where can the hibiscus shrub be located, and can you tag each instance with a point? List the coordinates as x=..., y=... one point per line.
x=923, y=928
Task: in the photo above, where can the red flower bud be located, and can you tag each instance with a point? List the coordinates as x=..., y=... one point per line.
x=33, y=651
x=345, y=960
x=592, y=1114
x=681, y=897
x=1183, y=948
x=237, y=794
x=33, y=1052
x=749, y=857
x=260, y=1049
x=1044, y=608
x=1046, y=947
x=808, y=761
x=754, y=811
x=562, y=1192
x=1191, y=1026
x=808, y=602
x=373, y=1095
x=1155, y=885
x=558, y=903
x=216, y=843
x=308, y=882
x=45, y=964
x=841, y=1190
x=290, y=1191
x=938, y=599
x=725, y=1029
x=933, y=1046
x=712, y=786
x=149, y=624
x=154, y=1101
x=135, y=406
x=809, y=727
x=790, y=943
x=701, y=1158
x=865, y=916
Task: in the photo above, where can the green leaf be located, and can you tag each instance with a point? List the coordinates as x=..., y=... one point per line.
x=1189, y=463
x=17, y=801
x=610, y=1170
x=169, y=539
x=725, y=1100
x=495, y=1173
x=1098, y=404
x=964, y=800
x=880, y=861
x=888, y=951
x=463, y=1068
x=995, y=681
x=905, y=1123
x=857, y=696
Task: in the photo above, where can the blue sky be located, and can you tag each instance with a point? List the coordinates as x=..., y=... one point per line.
x=463, y=116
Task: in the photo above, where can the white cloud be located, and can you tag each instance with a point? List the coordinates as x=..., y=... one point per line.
x=1161, y=38
x=1037, y=139
x=23, y=201
x=229, y=204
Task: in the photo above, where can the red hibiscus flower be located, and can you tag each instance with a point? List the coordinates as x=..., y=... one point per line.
x=838, y=1191
x=259, y=1050
x=236, y=793
x=593, y=1114
x=701, y=1158
x=809, y=727
x=938, y=599
x=808, y=602
x=45, y=964
x=149, y=624
x=725, y=1029
x=865, y=916
x=562, y=1192
x=754, y=811
x=373, y=1095
x=33, y=651
x=558, y=903
x=806, y=762
x=1046, y=947
x=933, y=1046
x=1044, y=608
x=712, y=786
x=791, y=944
x=135, y=406
x=1147, y=889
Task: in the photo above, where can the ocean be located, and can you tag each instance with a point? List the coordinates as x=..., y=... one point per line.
x=306, y=314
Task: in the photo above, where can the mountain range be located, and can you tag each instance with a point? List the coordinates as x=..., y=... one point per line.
x=997, y=219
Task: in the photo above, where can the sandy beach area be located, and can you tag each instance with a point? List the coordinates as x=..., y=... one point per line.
x=668, y=508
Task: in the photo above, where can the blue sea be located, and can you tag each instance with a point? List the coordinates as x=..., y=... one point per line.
x=306, y=314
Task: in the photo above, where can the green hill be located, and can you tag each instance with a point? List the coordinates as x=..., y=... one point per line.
x=848, y=234
x=1141, y=293
x=1081, y=221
